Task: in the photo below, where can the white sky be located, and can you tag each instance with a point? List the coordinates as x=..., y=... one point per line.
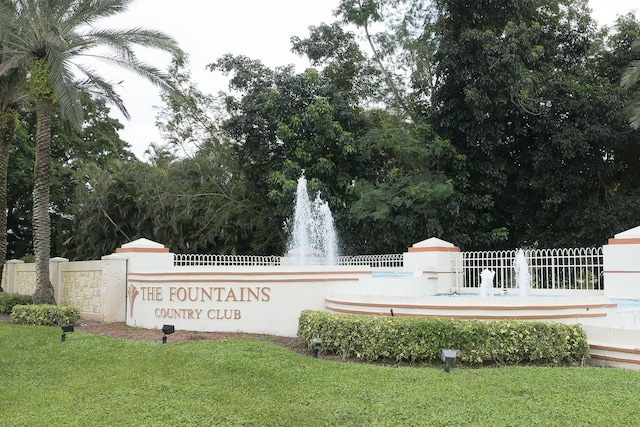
x=207, y=29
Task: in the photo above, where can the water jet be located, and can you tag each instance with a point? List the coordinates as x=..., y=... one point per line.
x=313, y=238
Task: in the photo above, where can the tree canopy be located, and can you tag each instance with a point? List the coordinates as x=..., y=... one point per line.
x=45, y=39
x=490, y=124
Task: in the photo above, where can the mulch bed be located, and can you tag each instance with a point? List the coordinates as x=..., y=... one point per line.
x=121, y=330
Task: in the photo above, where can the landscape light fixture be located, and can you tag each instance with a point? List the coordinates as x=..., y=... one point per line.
x=167, y=330
x=65, y=329
x=448, y=357
x=317, y=343
x=391, y=310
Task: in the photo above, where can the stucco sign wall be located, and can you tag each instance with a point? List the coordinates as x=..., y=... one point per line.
x=266, y=302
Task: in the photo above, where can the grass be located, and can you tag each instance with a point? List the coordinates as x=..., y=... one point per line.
x=92, y=380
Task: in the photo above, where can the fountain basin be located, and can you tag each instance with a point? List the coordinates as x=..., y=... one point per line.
x=566, y=309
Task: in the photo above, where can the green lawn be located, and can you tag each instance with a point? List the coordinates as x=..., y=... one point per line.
x=91, y=380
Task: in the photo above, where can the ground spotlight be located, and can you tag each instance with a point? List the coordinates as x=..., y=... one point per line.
x=317, y=343
x=65, y=329
x=449, y=358
x=167, y=330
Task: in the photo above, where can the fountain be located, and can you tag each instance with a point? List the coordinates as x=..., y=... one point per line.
x=267, y=297
x=313, y=238
x=523, y=278
x=486, y=282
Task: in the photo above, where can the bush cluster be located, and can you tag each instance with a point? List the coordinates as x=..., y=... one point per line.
x=420, y=339
x=9, y=300
x=44, y=314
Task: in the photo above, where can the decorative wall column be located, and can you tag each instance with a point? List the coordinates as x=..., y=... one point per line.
x=55, y=276
x=436, y=257
x=9, y=273
x=622, y=265
x=114, y=278
x=145, y=255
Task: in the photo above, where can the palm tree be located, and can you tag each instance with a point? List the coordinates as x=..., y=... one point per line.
x=630, y=77
x=50, y=38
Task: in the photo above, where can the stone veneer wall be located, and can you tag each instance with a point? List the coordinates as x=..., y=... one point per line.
x=82, y=285
x=25, y=281
x=96, y=288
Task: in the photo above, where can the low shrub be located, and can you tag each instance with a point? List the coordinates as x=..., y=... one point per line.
x=420, y=339
x=44, y=314
x=9, y=300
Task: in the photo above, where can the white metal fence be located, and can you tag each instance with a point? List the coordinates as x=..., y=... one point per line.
x=573, y=268
x=374, y=261
x=224, y=260
x=562, y=269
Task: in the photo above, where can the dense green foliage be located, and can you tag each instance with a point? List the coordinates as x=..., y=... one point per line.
x=9, y=300
x=496, y=125
x=172, y=202
x=11, y=96
x=44, y=314
x=526, y=93
x=80, y=152
x=98, y=381
x=45, y=41
x=420, y=339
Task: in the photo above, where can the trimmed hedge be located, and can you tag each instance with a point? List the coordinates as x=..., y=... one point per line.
x=9, y=300
x=44, y=314
x=420, y=339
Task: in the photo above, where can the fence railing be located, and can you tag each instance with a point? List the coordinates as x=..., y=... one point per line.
x=374, y=261
x=224, y=260
x=572, y=268
x=563, y=269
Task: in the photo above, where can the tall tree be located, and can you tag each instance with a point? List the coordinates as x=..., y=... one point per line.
x=396, y=204
x=286, y=123
x=11, y=93
x=49, y=37
x=395, y=192
x=507, y=72
x=629, y=80
x=97, y=143
x=372, y=166
x=522, y=92
x=8, y=122
x=190, y=121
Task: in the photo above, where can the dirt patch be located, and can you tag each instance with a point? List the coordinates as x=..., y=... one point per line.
x=121, y=330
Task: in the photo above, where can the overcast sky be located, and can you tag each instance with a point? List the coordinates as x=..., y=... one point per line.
x=207, y=29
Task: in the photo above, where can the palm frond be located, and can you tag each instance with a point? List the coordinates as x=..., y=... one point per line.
x=13, y=63
x=102, y=89
x=134, y=36
x=632, y=111
x=61, y=32
x=77, y=13
x=12, y=90
x=153, y=74
x=631, y=74
x=62, y=78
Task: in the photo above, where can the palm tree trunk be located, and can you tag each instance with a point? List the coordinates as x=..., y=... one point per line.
x=41, y=196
